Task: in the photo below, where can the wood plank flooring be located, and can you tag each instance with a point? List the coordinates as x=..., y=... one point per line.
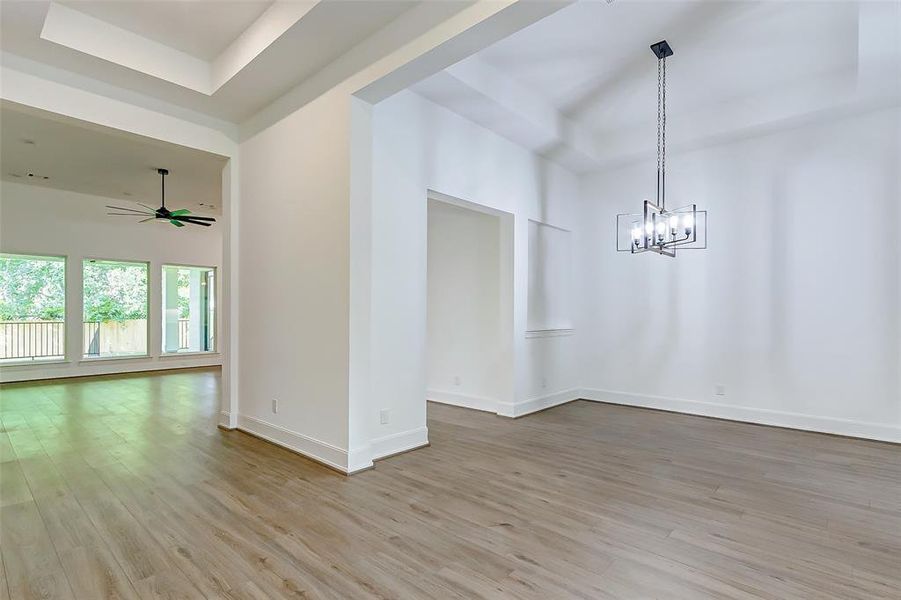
x=122, y=487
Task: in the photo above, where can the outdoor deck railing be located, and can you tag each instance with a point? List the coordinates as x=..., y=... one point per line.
x=183, y=334
x=24, y=339
x=32, y=339
x=90, y=333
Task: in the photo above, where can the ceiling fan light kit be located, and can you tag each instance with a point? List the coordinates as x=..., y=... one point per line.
x=175, y=217
x=658, y=229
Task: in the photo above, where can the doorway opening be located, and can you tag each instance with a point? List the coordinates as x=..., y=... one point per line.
x=469, y=305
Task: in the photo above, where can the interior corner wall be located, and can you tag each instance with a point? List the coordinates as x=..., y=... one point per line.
x=303, y=313
x=46, y=221
x=794, y=306
x=465, y=346
x=419, y=146
x=294, y=266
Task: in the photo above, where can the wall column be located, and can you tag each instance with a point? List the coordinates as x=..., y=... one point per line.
x=170, y=310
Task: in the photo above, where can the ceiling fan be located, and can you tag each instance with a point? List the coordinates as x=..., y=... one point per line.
x=176, y=217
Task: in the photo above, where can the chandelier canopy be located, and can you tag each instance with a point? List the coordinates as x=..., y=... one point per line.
x=656, y=228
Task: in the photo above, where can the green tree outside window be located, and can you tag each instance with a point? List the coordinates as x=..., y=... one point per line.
x=114, y=291
x=32, y=289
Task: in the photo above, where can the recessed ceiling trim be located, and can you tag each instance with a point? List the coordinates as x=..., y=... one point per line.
x=73, y=29
x=68, y=27
x=528, y=120
x=270, y=26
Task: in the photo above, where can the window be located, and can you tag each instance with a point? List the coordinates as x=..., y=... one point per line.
x=32, y=307
x=115, y=308
x=189, y=309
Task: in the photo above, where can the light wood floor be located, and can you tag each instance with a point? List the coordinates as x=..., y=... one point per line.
x=123, y=487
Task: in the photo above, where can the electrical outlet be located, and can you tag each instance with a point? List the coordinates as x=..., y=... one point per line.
x=384, y=416
x=456, y=380
x=274, y=405
x=719, y=390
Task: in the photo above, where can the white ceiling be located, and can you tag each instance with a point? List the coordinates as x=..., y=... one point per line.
x=736, y=65
x=578, y=86
x=192, y=55
x=202, y=28
x=592, y=60
x=90, y=159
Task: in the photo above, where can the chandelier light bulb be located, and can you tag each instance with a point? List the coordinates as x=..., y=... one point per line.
x=636, y=234
x=674, y=224
x=649, y=228
x=661, y=230
x=688, y=221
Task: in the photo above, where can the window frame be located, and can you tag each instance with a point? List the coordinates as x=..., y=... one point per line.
x=56, y=359
x=215, y=324
x=147, y=265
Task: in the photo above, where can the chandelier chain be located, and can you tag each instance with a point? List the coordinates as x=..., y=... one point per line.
x=659, y=97
x=663, y=135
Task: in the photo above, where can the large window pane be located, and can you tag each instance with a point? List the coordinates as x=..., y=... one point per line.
x=189, y=309
x=115, y=308
x=32, y=307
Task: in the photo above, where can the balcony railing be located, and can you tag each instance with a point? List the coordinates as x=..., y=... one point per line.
x=43, y=339
x=38, y=339
x=90, y=333
x=183, y=334
x=32, y=339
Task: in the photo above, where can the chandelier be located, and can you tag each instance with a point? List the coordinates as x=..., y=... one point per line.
x=656, y=228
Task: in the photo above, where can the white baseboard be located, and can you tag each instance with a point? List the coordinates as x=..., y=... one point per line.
x=317, y=450
x=859, y=429
x=454, y=399
x=519, y=409
x=37, y=371
x=399, y=442
x=504, y=409
x=225, y=420
x=358, y=459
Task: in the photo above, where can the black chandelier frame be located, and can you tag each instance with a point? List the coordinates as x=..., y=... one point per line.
x=657, y=229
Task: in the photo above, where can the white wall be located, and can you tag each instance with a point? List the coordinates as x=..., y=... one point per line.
x=294, y=265
x=550, y=278
x=419, y=146
x=466, y=362
x=39, y=220
x=300, y=200
x=794, y=306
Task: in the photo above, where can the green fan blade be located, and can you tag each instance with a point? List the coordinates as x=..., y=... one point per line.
x=180, y=212
x=176, y=223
